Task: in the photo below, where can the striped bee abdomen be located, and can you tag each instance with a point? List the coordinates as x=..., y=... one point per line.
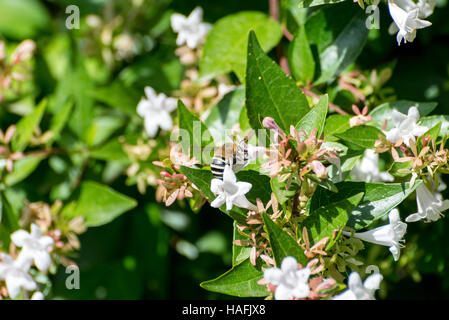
x=217, y=166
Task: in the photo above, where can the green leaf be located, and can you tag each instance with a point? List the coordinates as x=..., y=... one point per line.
x=9, y=221
x=378, y=199
x=99, y=204
x=300, y=58
x=312, y=3
x=397, y=166
x=225, y=114
x=270, y=92
x=384, y=111
x=21, y=19
x=22, y=169
x=361, y=136
x=280, y=190
x=315, y=118
x=259, y=183
x=25, y=127
x=431, y=121
x=225, y=47
x=111, y=151
x=117, y=96
x=344, y=49
x=101, y=128
x=321, y=223
x=433, y=132
x=60, y=119
x=240, y=281
x=239, y=253
x=195, y=135
x=335, y=123
x=282, y=243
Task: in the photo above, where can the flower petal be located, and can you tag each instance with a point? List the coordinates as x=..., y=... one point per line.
x=19, y=237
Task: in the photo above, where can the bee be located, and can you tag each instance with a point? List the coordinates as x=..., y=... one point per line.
x=234, y=154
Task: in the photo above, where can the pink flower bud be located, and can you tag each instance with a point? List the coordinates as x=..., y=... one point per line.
x=270, y=124
x=23, y=51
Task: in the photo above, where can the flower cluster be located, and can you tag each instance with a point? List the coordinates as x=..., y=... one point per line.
x=35, y=250
x=14, y=68
x=409, y=16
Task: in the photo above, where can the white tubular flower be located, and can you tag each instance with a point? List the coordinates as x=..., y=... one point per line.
x=408, y=18
x=289, y=280
x=230, y=191
x=426, y=8
x=191, y=30
x=34, y=246
x=406, y=127
x=389, y=235
x=15, y=274
x=430, y=205
x=357, y=290
x=368, y=169
x=155, y=109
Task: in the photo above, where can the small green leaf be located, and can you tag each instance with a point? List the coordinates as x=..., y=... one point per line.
x=361, y=136
x=335, y=123
x=433, y=132
x=117, y=96
x=25, y=127
x=101, y=128
x=315, y=118
x=60, y=119
x=280, y=190
x=270, y=92
x=282, y=243
x=9, y=221
x=431, y=121
x=22, y=169
x=300, y=58
x=99, y=204
x=225, y=47
x=239, y=253
x=240, y=281
x=321, y=223
x=111, y=151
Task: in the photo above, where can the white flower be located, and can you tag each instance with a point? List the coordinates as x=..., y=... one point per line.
x=230, y=191
x=368, y=169
x=34, y=246
x=430, y=205
x=405, y=127
x=289, y=280
x=408, y=17
x=357, y=290
x=389, y=235
x=37, y=296
x=191, y=30
x=155, y=109
x=426, y=8
x=15, y=274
